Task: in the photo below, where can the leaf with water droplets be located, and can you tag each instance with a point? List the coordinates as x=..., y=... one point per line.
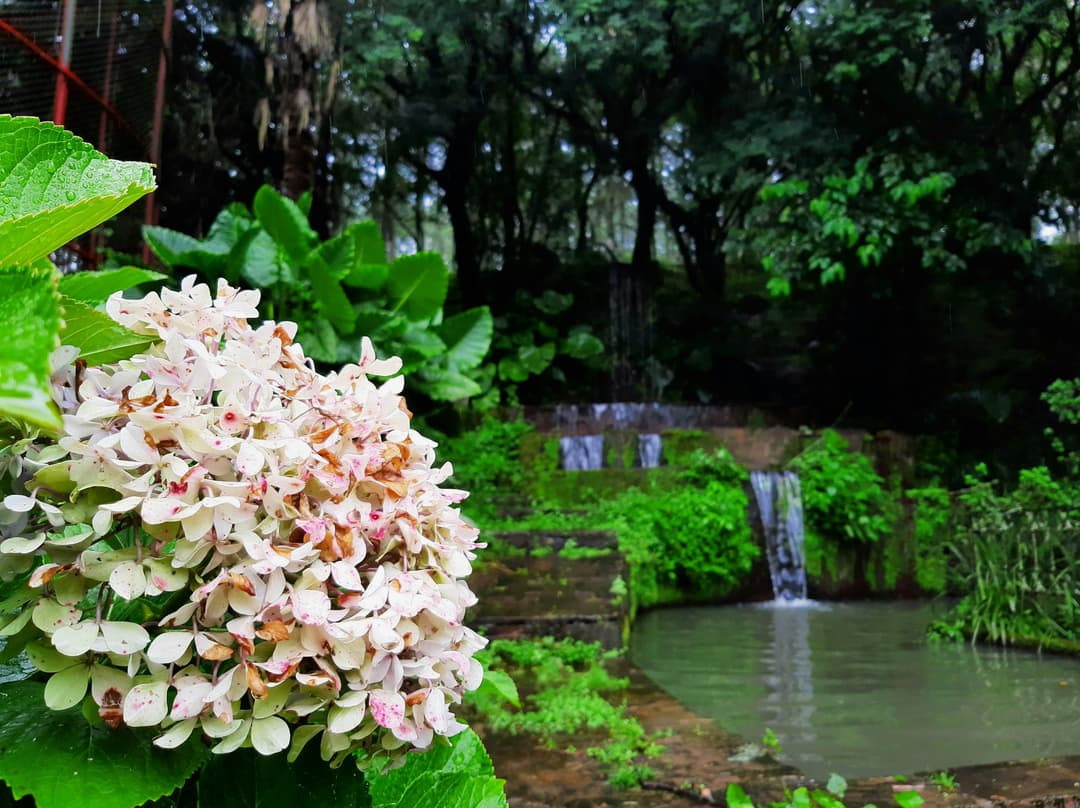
x=92, y=767
x=54, y=187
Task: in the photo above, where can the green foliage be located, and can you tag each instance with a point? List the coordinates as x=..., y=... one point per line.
x=571, y=691
x=54, y=187
x=246, y=779
x=933, y=518
x=341, y=290
x=943, y=780
x=844, y=500
x=1017, y=560
x=695, y=537
x=60, y=759
x=488, y=464
x=771, y=742
x=452, y=774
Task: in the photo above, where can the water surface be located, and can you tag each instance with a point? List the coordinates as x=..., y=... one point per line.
x=855, y=689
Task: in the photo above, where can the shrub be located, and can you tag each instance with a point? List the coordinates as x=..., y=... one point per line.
x=844, y=499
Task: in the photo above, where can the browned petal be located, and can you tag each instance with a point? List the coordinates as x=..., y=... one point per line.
x=394, y=484
x=246, y=645
x=274, y=630
x=281, y=677
x=416, y=698
x=255, y=683
x=404, y=407
x=242, y=582
x=43, y=578
x=217, y=652
x=282, y=336
x=322, y=435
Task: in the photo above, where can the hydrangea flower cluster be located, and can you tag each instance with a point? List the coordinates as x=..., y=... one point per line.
x=226, y=541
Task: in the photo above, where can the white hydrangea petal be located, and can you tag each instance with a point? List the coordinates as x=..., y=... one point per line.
x=269, y=735
x=21, y=544
x=146, y=705
x=177, y=734
x=169, y=647
x=75, y=640
x=387, y=708
x=124, y=638
x=128, y=580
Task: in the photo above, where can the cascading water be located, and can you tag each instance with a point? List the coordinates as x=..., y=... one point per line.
x=649, y=448
x=581, y=452
x=779, y=501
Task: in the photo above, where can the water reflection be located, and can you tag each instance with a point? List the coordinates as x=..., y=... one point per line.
x=855, y=688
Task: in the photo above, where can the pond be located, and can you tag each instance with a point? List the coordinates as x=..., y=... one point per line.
x=856, y=689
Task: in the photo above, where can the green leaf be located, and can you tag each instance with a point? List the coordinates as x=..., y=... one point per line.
x=176, y=249
x=451, y=775
x=908, y=799
x=826, y=800
x=92, y=767
x=500, y=684
x=737, y=798
x=319, y=340
x=285, y=222
x=536, y=359
x=511, y=370
x=368, y=242
x=582, y=344
x=551, y=302
x=447, y=386
x=260, y=263
x=95, y=287
x=30, y=319
x=468, y=337
x=98, y=337
x=418, y=284
x=54, y=187
x=246, y=779
x=323, y=265
x=369, y=270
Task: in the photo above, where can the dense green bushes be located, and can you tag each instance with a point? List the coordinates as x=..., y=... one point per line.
x=692, y=540
x=844, y=499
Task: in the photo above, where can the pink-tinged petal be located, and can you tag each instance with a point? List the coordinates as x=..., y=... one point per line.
x=436, y=711
x=311, y=607
x=169, y=647
x=160, y=510
x=146, y=705
x=249, y=460
x=190, y=701
x=346, y=576
x=387, y=708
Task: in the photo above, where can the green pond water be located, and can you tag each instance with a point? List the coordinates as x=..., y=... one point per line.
x=855, y=689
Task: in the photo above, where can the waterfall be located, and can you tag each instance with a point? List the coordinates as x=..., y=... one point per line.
x=581, y=452
x=780, y=503
x=648, y=451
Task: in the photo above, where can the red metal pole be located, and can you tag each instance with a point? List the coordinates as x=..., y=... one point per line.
x=67, y=34
x=159, y=110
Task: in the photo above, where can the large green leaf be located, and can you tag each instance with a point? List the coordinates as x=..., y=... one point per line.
x=285, y=223
x=176, y=249
x=95, y=287
x=246, y=779
x=581, y=343
x=369, y=270
x=325, y=265
x=536, y=358
x=451, y=775
x=418, y=284
x=98, y=337
x=30, y=320
x=54, y=187
x=446, y=386
x=59, y=759
x=468, y=337
x=261, y=264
